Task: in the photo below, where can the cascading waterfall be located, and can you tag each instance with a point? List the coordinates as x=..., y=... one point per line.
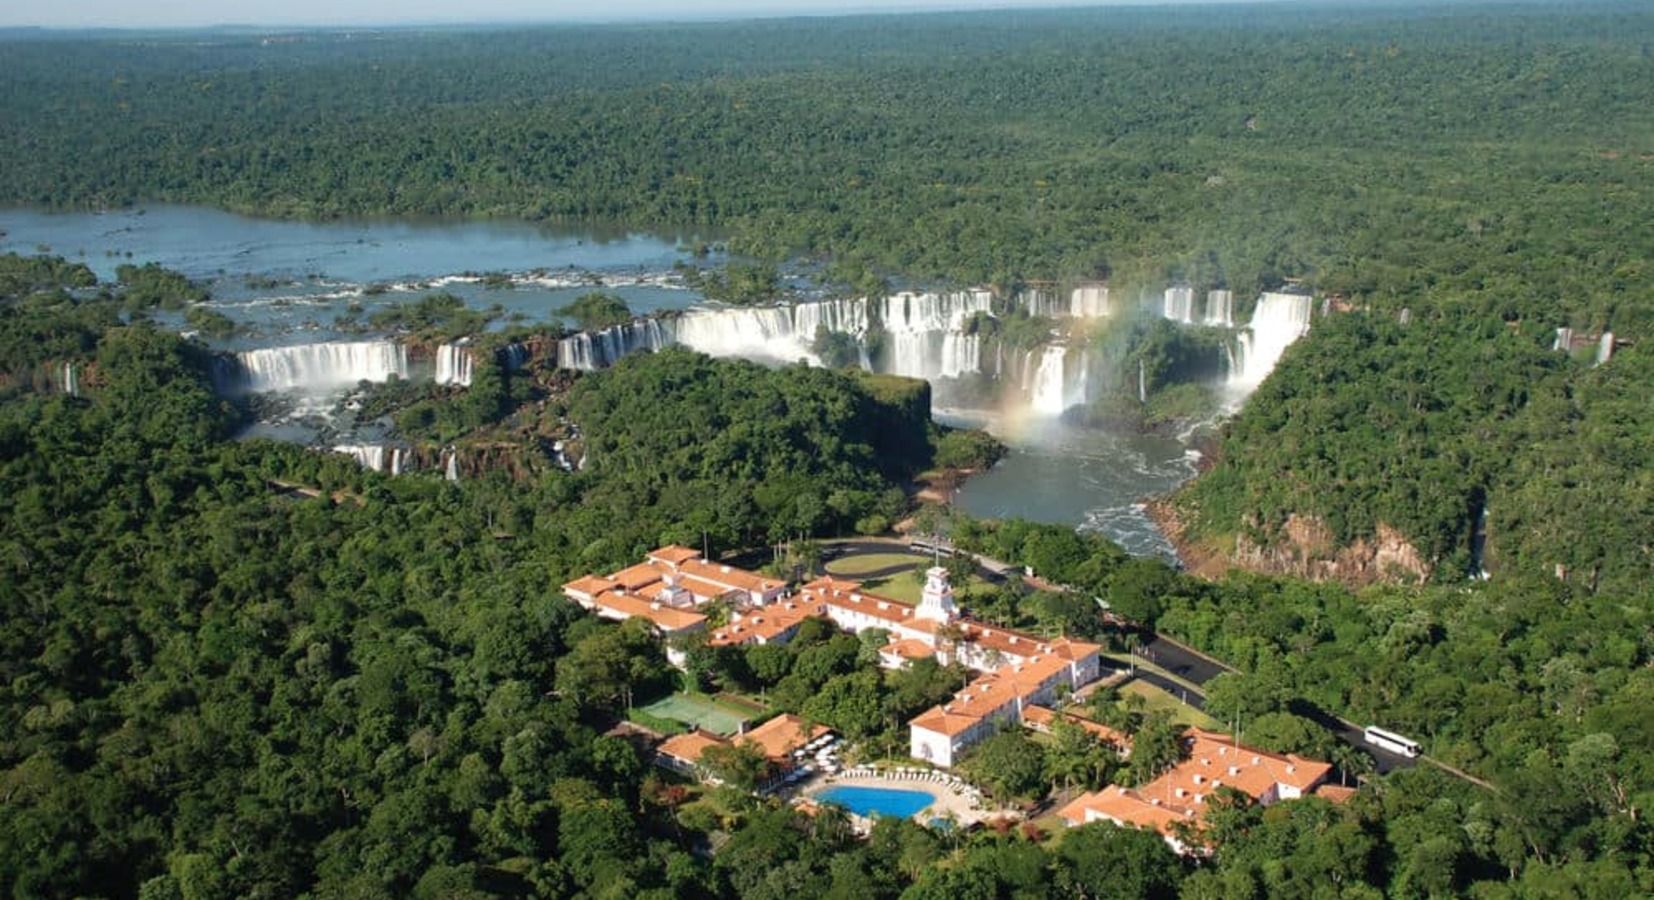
x=1179, y=305
x=924, y=336
x=71, y=382
x=453, y=365
x=1605, y=347
x=316, y=367
x=848, y=316
x=515, y=356
x=1220, y=309
x=1042, y=302
x=1278, y=320
x=1089, y=302
x=368, y=456
x=591, y=350
x=1049, y=394
x=777, y=333
x=450, y=464
x=961, y=354
x=762, y=332
x=399, y=460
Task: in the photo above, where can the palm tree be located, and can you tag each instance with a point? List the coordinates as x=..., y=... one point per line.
x=1351, y=760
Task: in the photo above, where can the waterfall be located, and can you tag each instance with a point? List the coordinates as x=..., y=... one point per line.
x=923, y=333
x=399, y=461
x=1220, y=309
x=961, y=354
x=1278, y=320
x=1041, y=302
x=453, y=365
x=515, y=356
x=1089, y=302
x=450, y=465
x=1179, y=304
x=71, y=383
x=1564, y=340
x=318, y=367
x=1605, y=347
x=1142, y=383
x=766, y=332
x=775, y=333
x=1049, y=394
x=1478, y=546
x=600, y=349
x=368, y=456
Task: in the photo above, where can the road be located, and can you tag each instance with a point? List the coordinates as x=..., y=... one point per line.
x=1198, y=669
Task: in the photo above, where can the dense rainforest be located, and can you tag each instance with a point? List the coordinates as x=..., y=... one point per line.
x=220, y=683
x=245, y=669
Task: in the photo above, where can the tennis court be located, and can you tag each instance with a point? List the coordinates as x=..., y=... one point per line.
x=698, y=712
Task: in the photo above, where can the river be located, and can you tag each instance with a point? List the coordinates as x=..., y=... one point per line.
x=1094, y=480
x=289, y=280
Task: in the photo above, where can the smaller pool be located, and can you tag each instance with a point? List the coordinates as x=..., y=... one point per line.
x=868, y=801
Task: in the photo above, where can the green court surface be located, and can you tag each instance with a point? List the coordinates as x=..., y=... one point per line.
x=698, y=712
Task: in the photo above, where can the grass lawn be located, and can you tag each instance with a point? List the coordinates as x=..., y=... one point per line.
x=1182, y=713
x=907, y=589
x=897, y=587
x=857, y=566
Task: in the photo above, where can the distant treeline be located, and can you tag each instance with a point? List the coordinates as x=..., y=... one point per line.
x=1396, y=155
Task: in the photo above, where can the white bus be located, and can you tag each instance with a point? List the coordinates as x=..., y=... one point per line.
x=1391, y=741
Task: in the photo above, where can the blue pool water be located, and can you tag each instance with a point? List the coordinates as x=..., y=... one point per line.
x=866, y=801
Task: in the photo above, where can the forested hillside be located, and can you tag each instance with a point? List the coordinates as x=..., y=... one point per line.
x=248, y=669
x=213, y=685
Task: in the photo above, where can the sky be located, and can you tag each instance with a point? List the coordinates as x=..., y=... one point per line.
x=193, y=13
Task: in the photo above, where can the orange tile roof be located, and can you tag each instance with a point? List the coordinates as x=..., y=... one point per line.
x=1214, y=762
x=1335, y=793
x=1044, y=718
x=829, y=584
x=909, y=649
x=990, y=695
x=589, y=586
x=1214, y=758
x=668, y=618
x=674, y=554
x=894, y=611
x=943, y=720
x=729, y=576
x=782, y=735
x=636, y=578
x=1021, y=644
x=766, y=623
x=689, y=746
x=702, y=589
x=1129, y=807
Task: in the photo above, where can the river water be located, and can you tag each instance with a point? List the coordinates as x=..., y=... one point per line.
x=290, y=280
x=1094, y=480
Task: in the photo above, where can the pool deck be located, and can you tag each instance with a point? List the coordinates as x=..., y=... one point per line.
x=966, y=806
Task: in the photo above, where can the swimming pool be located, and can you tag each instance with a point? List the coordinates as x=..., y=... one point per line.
x=868, y=801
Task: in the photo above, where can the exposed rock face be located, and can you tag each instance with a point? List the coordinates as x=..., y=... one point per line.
x=1304, y=547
